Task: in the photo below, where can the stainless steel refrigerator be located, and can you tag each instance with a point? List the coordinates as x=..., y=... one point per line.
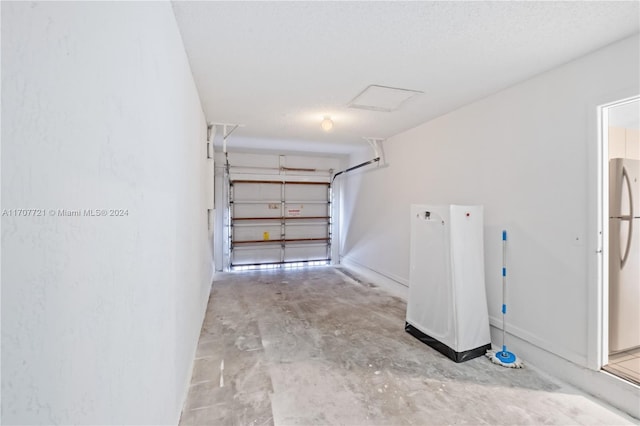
x=624, y=254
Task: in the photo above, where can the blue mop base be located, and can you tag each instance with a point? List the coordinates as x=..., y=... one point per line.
x=505, y=357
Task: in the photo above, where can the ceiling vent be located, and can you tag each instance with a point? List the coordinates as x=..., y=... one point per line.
x=382, y=98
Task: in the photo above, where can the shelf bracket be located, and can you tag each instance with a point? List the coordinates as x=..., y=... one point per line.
x=211, y=133
x=227, y=129
x=376, y=146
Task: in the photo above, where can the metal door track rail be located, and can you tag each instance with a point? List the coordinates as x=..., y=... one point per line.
x=350, y=169
x=290, y=240
x=284, y=169
x=281, y=218
x=280, y=182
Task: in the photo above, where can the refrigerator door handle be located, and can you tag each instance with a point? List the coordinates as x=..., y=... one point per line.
x=625, y=178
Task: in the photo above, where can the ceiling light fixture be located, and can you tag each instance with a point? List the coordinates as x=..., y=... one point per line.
x=326, y=124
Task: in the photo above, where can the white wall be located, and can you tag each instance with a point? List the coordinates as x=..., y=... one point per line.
x=100, y=315
x=526, y=154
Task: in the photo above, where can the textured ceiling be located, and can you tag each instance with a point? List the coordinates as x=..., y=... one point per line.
x=280, y=67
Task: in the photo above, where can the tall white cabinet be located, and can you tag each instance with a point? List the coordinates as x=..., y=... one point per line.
x=447, y=305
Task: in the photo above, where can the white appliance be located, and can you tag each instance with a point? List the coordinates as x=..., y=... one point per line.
x=447, y=305
x=624, y=254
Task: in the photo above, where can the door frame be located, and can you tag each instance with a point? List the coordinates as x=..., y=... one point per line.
x=601, y=357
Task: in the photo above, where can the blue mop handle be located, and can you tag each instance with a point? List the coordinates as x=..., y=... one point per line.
x=504, y=286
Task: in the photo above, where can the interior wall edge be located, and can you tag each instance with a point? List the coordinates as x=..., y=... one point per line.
x=393, y=286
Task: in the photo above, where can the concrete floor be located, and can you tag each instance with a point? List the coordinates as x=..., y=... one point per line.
x=314, y=347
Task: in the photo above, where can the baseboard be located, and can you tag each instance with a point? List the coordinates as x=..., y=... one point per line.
x=202, y=314
x=385, y=282
x=614, y=391
x=539, y=342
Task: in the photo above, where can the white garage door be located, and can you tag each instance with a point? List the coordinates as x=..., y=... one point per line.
x=278, y=222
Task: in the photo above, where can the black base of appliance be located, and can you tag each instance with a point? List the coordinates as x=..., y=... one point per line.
x=444, y=349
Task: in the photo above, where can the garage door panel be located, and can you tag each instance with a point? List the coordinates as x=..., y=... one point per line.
x=264, y=210
x=257, y=232
x=305, y=252
x=256, y=191
x=305, y=210
x=299, y=231
x=305, y=192
x=250, y=255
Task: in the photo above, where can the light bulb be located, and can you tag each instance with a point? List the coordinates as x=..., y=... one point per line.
x=326, y=124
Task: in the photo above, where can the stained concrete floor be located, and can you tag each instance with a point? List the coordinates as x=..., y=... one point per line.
x=314, y=347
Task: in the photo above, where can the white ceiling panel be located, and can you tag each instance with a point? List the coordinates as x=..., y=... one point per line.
x=280, y=67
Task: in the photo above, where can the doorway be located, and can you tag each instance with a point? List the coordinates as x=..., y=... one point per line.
x=621, y=210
